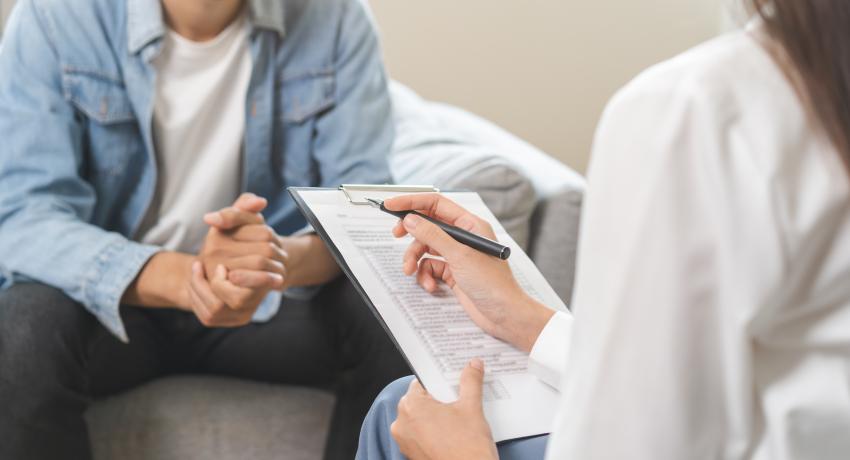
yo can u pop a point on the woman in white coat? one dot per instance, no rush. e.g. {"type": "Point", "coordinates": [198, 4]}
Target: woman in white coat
{"type": "Point", "coordinates": [712, 304]}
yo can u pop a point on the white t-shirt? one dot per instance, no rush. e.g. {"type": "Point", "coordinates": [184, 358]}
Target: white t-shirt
{"type": "Point", "coordinates": [198, 129]}
{"type": "Point", "coordinates": [713, 282]}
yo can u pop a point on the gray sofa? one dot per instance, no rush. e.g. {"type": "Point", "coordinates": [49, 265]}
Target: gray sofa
{"type": "Point", "coordinates": [200, 417]}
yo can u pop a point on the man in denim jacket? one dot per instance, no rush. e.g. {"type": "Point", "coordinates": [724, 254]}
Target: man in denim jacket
{"type": "Point", "coordinates": [127, 129]}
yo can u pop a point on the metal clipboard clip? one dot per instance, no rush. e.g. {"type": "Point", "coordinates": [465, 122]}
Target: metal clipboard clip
{"type": "Point", "coordinates": [352, 191]}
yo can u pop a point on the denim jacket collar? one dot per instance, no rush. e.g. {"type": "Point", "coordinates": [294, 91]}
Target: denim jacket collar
{"type": "Point", "coordinates": [267, 14]}
{"type": "Point", "coordinates": [145, 21]}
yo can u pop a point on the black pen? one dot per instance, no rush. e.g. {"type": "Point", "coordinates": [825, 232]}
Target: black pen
{"type": "Point", "coordinates": [460, 235]}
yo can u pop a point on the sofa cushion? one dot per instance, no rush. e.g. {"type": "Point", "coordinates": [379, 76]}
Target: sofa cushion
{"type": "Point", "coordinates": [211, 418]}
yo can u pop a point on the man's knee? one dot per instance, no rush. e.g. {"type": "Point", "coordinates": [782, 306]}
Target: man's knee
{"type": "Point", "coordinates": [365, 345]}
{"type": "Point", "coordinates": [346, 307]}
{"type": "Point", "coordinates": [41, 332]}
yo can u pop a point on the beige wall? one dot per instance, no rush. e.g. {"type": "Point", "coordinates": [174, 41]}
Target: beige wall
{"type": "Point", "coordinates": [5, 7]}
{"type": "Point", "coordinates": [541, 68]}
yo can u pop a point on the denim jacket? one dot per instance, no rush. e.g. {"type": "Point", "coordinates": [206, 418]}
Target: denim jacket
{"type": "Point", "coordinates": [77, 165]}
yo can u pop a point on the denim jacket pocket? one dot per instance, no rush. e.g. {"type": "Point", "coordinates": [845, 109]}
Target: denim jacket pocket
{"type": "Point", "coordinates": [100, 97]}
{"type": "Point", "coordinates": [305, 95]}
{"type": "Point", "coordinates": [114, 143]}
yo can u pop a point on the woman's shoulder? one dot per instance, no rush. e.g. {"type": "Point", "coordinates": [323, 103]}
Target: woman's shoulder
{"type": "Point", "coordinates": [727, 96]}
{"type": "Point", "coordinates": [724, 74]}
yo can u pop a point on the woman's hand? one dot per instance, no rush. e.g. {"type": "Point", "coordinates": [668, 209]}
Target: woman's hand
{"type": "Point", "coordinates": [485, 285]}
{"type": "Point", "coordinates": [428, 429]}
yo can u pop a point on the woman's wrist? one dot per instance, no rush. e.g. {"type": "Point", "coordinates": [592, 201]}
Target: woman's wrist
{"type": "Point", "coordinates": [525, 326]}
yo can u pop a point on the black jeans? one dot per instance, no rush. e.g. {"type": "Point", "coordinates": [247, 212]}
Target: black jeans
{"type": "Point", "coordinates": [56, 358]}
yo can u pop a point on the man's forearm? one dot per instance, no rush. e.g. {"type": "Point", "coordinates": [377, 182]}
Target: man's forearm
{"type": "Point", "coordinates": [162, 282]}
{"type": "Point", "coordinates": [310, 262]}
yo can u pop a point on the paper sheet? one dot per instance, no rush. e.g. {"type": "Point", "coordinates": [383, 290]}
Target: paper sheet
{"type": "Point", "coordinates": [433, 330]}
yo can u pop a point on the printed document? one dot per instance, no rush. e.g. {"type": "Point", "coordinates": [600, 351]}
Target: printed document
{"type": "Point", "coordinates": [433, 330]}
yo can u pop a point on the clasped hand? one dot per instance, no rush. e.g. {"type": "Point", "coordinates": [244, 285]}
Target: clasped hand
{"type": "Point", "coordinates": [241, 261]}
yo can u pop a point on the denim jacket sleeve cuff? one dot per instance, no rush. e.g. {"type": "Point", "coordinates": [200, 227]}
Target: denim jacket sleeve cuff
{"type": "Point", "coordinates": [114, 270]}
{"type": "Point", "coordinates": [302, 293]}
{"type": "Point", "coordinates": [268, 307]}
{"type": "Point", "coordinates": [307, 230]}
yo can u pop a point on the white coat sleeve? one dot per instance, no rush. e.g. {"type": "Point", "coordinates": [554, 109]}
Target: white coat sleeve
{"type": "Point", "coordinates": [669, 263]}
{"type": "Point", "coordinates": [548, 357]}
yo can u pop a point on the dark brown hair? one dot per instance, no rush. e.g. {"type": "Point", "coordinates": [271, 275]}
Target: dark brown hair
{"type": "Point", "coordinates": [815, 35]}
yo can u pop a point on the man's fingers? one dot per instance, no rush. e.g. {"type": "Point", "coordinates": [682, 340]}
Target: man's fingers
{"type": "Point", "coordinates": [209, 309]}
{"type": "Point", "coordinates": [234, 297]}
{"type": "Point", "coordinates": [250, 203]}
{"type": "Point", "coordinates": [472, 383]}
{"type": "Point", "coordinates": [201, 287]}
{"type": "Point", "coordinates": [231, 218]}
{"type": "Point", "coordinates": [252, 279]}
{"type": "Point", "coordinates": [239, 250]}
{"type": "Point", "coordinates": [255, 234]}
{"type": "Point", "coordinates": [199, 307]}
{"type": "Point", "coordinates": [270, 251]}
{"type": "Point", "coordinates": [256, 262]}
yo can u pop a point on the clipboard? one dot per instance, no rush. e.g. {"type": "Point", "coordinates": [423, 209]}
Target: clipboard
{"type": "Point", "coordinates": [349, 190]}
{"type": "Point", "coordinates": [432, 332]}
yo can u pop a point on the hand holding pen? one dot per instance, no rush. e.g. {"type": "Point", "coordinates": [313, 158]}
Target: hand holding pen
{"type": "Point", "coordinates": [486, 245]}
{"type": "Point", "coordinates": [484, 285]}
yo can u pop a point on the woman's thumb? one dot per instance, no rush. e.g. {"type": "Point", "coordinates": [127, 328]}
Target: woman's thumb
{"type": "Point", "coordinates": [472, 382]}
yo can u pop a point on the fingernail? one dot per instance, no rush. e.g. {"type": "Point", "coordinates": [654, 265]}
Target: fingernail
{"type": "Point", "coordinates": [477, 364]}
{"type": "Point", "coordinates": [213, 218]}
{"type": "Point", "coordinates": [196, 267]}
{"type": "Point", "coordinates": [220, 271]}
{"type": "Point", "coordinates": [411, 221]}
